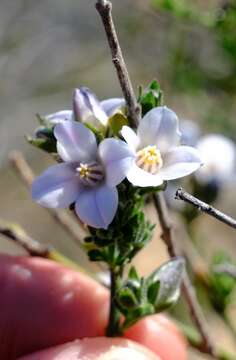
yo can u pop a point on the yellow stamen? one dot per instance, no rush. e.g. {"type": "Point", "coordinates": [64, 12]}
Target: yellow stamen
{"type": "Point", "coordinates": [149, 159]}
{"type": "Point", "coordinates": [91, 173]}
{"type": "Point", "coordinates": [84, 171]}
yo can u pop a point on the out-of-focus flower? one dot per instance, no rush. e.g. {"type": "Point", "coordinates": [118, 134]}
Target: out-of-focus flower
{"type": "Point", "coordinates": [219, 158]}
{"type": "Point", "coordinates": [158, 155]}
{"type": "Point", "coordinates": [190, 132]}
{"type": "Point", "coordinates": [88, 176]}
{"type": "Point", "coordinates": [88, 109]}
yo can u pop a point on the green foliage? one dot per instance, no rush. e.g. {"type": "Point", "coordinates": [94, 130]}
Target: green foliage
{"type": "Point", "coordinates": [43, 138]}
{"type": "Point", "coordinates": [150, 97]}
{"type": "Point", "coordinates": [138, 297]}
{"type": "Point", "coordinates": [45, 142]}
{"type": "Point", "coordinates": [126, 235]}
{"type": "Point", "coordinates": [180, 8]}
{"type": "Point", "coordinates": [116, 122]}
{"type": "Point", "coordinates": [221, 284]}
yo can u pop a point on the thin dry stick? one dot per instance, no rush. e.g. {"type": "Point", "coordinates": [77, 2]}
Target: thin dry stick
{"type": "Point", "coordinates": [16, 233]}
{"type": "Point", "coordinates": [204, 207]}
{"type": "Point", "coordinates": [188, 290]}
{"type": "Point", "coordinates": [104, 8]}
{"type": "Point", "coordinates": [23, 169]}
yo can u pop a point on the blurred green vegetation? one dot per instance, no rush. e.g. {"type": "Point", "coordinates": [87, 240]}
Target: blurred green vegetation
{"type": "Point", "coordinates": [202, 59]}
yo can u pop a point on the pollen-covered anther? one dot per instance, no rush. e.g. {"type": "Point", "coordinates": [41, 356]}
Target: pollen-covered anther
{"type": "Point", "coordinates": [149, 159]}
{"type": "Point", "coordinates": [91, 173]}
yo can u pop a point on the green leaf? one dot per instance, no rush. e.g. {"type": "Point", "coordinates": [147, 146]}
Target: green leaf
{"type": "Point", "coordinates": [222, 285]}
{"type": "Point", "coordinates": [126, 298]}
{"type": "Point", "coordinates": [152, 291]}
{"type": "Point", "coordinates": [116, 122]}
{"type": "Point", "coordinates": [47, 145]}
{"type": "Point", "coordinates": [169, 276]}
{"type": "Point", "coordinates": [133, 275]}
{"type": "Point", "coordinates": [150, 97]}
{"type": "Point", "coordinates": [140, 312]}
{"type": "Point", "coordinates": [95, 255]}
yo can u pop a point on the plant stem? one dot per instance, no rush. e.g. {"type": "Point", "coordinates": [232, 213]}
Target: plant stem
{"type": "Point", "coordinates": [204, 207]}
{"type": "Point", "coordinates": [104, 8]}
{"type": "Point", "coordinates": [188, 290]}
{"type": "Point", "coordinates": [113, 328]}
{"type": "Point", "coordinates": [15, 232]}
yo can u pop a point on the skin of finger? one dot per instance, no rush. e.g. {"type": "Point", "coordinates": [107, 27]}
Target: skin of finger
{"type": "Point", "coordinates": [44, 304]}
{"type": "Point", "coordinates": [161, 336]}
{"type": "Point", "coordinates": [96, 349]}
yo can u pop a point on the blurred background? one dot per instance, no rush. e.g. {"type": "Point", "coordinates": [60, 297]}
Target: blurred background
{"type": "Point", "coordinates": [48, 48]}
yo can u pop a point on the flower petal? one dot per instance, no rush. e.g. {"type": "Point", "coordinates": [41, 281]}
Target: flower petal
{"type": "Point", "coordinates": [179, 162]}
{"type": "Point", "coordinates": [110, 106]}
{"type": "Point", "coordinates": [142, 178]}
{"type": "Point", "coordinates": [96, 207]}
{"type": "Point", "coordinates": [159, 127]}
{"type": "Point", "coordinates": [59, 116]}
{"type": "Point", "coordinates": [130, 137]}
{"type": "Point", "coordinates": [57, 187]}
{"type": "Point", "coordinates": [117, 158]}
{"type": "Point", "coordinates": [75, 142]}
{"type": "Point", "coordinates": [87, 108]}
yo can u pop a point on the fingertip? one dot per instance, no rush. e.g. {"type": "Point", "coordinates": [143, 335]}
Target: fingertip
{"type": "Point", "coordinates": [95, 348]}
{"type": "Point", "coordinates": [161, 336]}
{"type": "Point", "coordinates": [48, 302]}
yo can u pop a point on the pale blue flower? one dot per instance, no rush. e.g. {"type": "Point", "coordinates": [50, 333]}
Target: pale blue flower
{"type": "Point", "coordinates": [157, 150]}
{"type": "Point", "coordinates": [219, 157]}
{"type": "Point", "coordinates": [88, 176]}
{"type": "Point", "coordinates": [59, 116]}
{"type": "Point", "coordinates": [87, 108]}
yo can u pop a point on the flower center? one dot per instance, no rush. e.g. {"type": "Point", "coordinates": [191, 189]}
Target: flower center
{"type": "Point", "coordinates": [149, 159]}
{"type": "Point", "coordinates": [90, 174]}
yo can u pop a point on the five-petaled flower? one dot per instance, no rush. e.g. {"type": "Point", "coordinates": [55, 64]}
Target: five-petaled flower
{"type": "Point", "coordinates": [158, 155]}
{"type": "Point", "coordinates": [88, 176]}
{"type": "Point", "coordinates": [88, 109]}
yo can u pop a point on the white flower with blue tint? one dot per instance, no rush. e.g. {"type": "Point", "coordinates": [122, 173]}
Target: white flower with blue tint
{"type": "Point", "coordinates": [219, 157]}
{"type": "Point", "coordinates": [88, 109]}
{"type": "Point", "coordinates": [59, 116]}
{"type": "Point", "coordinates": [158, 155]}
{"type": "Point", "coordinates": [88, 176]}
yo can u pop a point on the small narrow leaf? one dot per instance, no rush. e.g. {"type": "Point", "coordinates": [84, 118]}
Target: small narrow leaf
{"type": "Point", "coordinates": [126, 298]}
{"type": "Point", "coordinates": [133, 275]}
{"type": "Point", "coordinates": [47, 145]}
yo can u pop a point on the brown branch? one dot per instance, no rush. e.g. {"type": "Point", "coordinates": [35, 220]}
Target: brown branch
{"type": "Point", "coordinates": [204, 207]}
{"type": "Point", "coordinates": [23, 169]}
{"type": "Point", "coordinates": [188, 290]}
{"type": "Point", "coordinates": [16, 233]}
{"type": "Point", "coordinates": [104, 8]}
